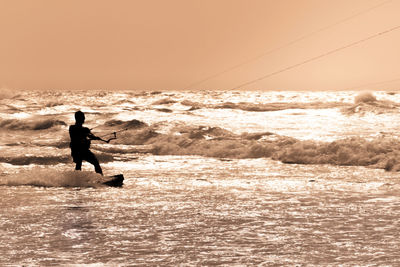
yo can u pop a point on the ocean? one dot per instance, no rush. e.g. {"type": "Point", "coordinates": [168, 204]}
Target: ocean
{"type": "Point", "coordinates": [230, 178]}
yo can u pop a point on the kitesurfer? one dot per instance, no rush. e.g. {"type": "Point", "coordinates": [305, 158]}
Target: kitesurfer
{"type": "Point", "coordinates": [80, 143]}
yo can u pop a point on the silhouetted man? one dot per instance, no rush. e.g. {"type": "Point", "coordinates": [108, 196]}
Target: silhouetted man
{"type": "Point", "coordinates": [80, 143]}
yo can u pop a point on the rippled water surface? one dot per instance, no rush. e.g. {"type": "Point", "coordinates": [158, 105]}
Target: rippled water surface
{"type": "Point", "coordinates": [211, 178]}
{"type": "Point", "coordinates": [196, 210]}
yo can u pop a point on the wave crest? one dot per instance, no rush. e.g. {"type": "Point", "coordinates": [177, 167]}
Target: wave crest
{"type": "Point", "coordinates": [14, 124]}
{"type": "Point", "coordinates": [364, 97]}
{"type": "Point", "coordinates": [132, 124]}
{"type": "Point", "coordinates": [6, 93]}
{"type": "Point", "coordinates": [220, 143]}
{"type": "Point", "coordinates": [376, 107]}
{"type": "Point", "coordinates": [164, 101]}
{"type": "Point", "coordinates": [366, 102]}
{"type": "Point", "coordinates": [267, 107]}
{"type": "Point", "coordinates": [352, 151]}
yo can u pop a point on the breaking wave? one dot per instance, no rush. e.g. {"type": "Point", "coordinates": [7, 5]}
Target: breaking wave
{"type": "Point", "coordinates": [366, 102]}
{"type": "Point", "coordinates": [164, 101]}
{"type": "Point", "coordinates": [379, 152]}
{"type": "Point", "coordinates": [376, 107]}
{"type": "Point", "coordinates": [52, 178]}
{"type": "Point", "coordinates": [260, 107]}
{"type": "Point", "coordinates": [55, 103]}
{"type": "Point", "coordinates": [177, 138]}
{"type": "Point", "coordinates": [364, 97]}
{"type": "Point", "coordinates": [138, 137]}
{"type": "Point", "coordinates": [347, 152]}
{"type": "Point", "coordinates": [41, 124]}
{"type": "Point", "coordinates": [132, 124]}
{"type": "Point", "coordinates": [6, 93]}
{"type": "Point", "coordinates": [278, 106]}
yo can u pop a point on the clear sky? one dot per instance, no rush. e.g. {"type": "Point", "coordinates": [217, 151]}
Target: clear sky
{"type": "Point", "coordinates": [173, 44]}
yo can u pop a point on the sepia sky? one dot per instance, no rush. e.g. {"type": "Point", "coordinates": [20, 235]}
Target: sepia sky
{"type": "Point", "coordinates": [199, 44]}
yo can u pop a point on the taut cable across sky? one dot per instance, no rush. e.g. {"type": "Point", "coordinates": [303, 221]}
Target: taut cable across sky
{"type": "Point", "coordinates": [192, 45]}
{"type": "Point", "coordinates": [303, 37]}
{"type": "Point", "coordinates": [317, 57]}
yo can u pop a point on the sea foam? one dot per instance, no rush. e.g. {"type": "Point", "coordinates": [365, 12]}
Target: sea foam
{"type": "Point", "coordinates": [375, 152]}
{"type": "Point", "coordinates": [52, 178]}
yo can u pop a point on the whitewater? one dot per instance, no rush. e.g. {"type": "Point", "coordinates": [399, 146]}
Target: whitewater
{"type": "Point", "coordinates": [229, 178]}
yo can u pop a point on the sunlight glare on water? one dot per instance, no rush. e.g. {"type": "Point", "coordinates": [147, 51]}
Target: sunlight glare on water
{"type": "Point", "coordinates": [243, 205]}
{"type": "Point", "coordinates": [204, 216]}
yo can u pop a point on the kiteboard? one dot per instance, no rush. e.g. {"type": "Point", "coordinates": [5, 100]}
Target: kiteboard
{"type": "Point", "coordinates": [115, 180]}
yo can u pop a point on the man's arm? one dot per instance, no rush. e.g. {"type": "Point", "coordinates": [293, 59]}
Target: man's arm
{"type": "Point", "coordinates": [93, 137]}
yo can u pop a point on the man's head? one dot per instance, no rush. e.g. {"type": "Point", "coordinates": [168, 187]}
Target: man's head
{"type": "Point", "coordinates": [79, 117]}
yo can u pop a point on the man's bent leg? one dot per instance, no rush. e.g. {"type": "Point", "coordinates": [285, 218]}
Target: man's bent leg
{"type": "Point", "coordinates": [91, 158]}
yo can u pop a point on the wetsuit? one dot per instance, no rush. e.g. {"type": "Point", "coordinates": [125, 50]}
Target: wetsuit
{"type": "Point", "coordinates": [80, 144]}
